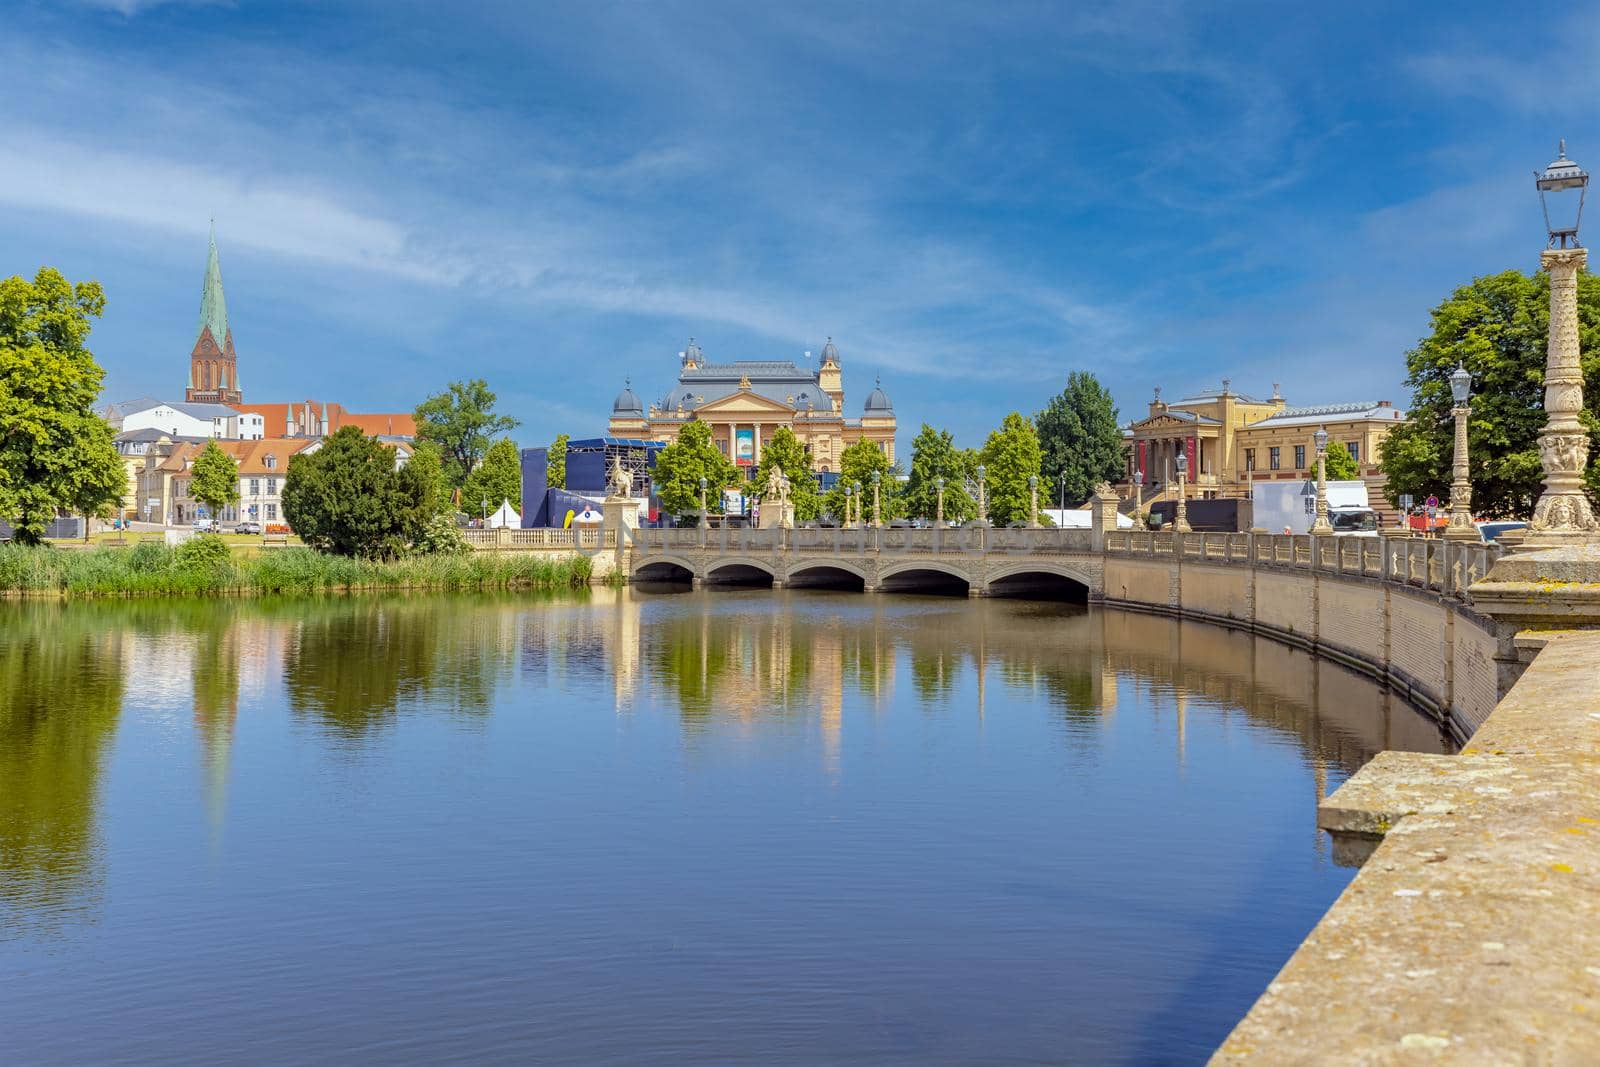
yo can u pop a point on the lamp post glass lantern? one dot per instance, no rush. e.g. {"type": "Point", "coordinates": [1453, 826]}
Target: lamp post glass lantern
{"type": "Point", "coordinates": [1180, 522]}
{"type": "Point", "coordinates": [1562, 187]}
{"type": "Point", "coordinates": [1460, 527]}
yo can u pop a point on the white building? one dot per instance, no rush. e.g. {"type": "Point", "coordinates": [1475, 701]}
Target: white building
{"type": "Point", "coordinates": [187, 420]}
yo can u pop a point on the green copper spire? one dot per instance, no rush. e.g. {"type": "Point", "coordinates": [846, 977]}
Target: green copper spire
{"type": "Point", "coordinates": [213, 308]}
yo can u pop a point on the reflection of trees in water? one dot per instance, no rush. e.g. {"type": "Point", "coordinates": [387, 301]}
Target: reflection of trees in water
{"type": "Point", "coordinates": [752, 664]}
{"type": "Point", "coordinates": [61, 684]}
{"type": "Point", "coordinates": [350, 662]}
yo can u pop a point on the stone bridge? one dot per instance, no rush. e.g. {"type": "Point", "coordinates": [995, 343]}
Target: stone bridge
{"type": "Point", "coordinates": [977, 560]}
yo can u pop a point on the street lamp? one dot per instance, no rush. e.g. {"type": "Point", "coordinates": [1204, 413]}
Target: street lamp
{"type": "Point", "coordinates": [1033, 501]}
{"type": "Point", "coordinates": [485, 513]}
{"type": "Point", "coordinates": [1322, 525]}
{"type": "Point", "coordinates": [983, 507]}
{"type": "Point", "coordinates": [877, 500]}
{"type": "Point", "coordinates": [1138, 498]}
{"type": "Point", "coordinates": [938, 485]}
{"type": "Point", "coordinates": [1563, 509]}
{"type": "Point", "coordinates": [860, 499]}
{"type": "Point", "coordinates": [849, 491]}
{"type": "Point", "coordinates": [1460, 527]}
{"type": "Point", "coordinates": [705, 514]}
{"type": "Point", "coordinates": [1180, 523]}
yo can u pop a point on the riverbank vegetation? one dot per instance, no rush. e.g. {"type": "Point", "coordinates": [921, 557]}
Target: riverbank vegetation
{"type": "Point", "coordinates": [204, 566]}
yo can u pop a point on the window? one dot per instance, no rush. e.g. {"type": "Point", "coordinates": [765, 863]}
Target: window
{"type": "Point", "coordinates": [1354, 448]}
{"type": "Point", "coordinates": [1249, 459]}
{"type": "Point", "coordinates": [1272, 458]}
{"type": "Point", "coordinates": [272, 462]}
{"type": "Point", "coordinates": [255, 486]}
{"type": "Point", "coordinates": [272, 512]}
{"type": "Point", "coordinates": [1299, 457]}
{"type": "Point", "coordinates": [272, 487]}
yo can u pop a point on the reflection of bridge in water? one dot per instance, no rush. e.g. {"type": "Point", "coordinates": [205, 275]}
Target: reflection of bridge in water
{"type": "Point", "coordinates": [977, 561]}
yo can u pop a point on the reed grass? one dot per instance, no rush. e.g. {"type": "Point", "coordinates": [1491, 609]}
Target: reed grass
{"type": "Point", "coordinates": [153, 569]}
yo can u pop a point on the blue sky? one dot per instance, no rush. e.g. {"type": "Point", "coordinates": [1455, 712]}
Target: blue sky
{"type": "Point", "coordinates": [973, 200]}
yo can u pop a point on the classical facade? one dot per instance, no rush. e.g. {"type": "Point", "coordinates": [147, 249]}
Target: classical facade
{"type": "Point", "coordinates": [1232, 440]}
{"type": "Point", "coordinates": [746, 401]}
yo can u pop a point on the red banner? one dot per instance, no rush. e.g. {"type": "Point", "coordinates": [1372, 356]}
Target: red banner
{"type": "Point", "coordinates": [1190, 445]}
{"type": "Point", "coordinates": [1141, 467]}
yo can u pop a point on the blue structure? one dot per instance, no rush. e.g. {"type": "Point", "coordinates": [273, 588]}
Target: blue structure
{"type": "Point", "coordinates": [589, 463]}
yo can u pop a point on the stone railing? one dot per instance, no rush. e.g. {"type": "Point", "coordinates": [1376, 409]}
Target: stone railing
{"type": "Point", "coordinates": [1444, 567]}
{"type": "Point", "coordinates": [506, 539]}
{"type": "Point", "coordinates": [969, 540]}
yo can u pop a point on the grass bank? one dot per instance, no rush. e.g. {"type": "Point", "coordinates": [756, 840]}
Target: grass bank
{"type": "Point", "coordinates": [157, 570]}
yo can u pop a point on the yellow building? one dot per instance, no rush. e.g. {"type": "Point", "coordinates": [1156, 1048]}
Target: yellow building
{"type": "Point", "coordinates": [746, 401]}
{"type": "Point", "coordinates": [1232, 440]}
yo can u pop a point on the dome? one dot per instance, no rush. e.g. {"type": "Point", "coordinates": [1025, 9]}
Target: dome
{"type": "Point", "coordinates": [830, 354]}
{"type": "Point", "coordinates": [692, 356]}
{"type": "Point", "coordinates": [626, 403]}
{"type": "Point", "coordinates": [878, 400]}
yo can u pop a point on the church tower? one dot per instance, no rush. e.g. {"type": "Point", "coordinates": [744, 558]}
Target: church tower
{"type": "Point", "coordinates": [213, 366]}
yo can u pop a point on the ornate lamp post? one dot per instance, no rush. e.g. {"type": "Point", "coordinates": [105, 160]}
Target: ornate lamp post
{"type": "Point", "coordinates": [485, 513]}
{"type": "Point", "coordinates": [1033, 501]}
{"type": "Point", "coordinates": [1138, 499]}
{"type": "Point", "coordinates": [1180, 523]}
{"type": "Point", "coordinates": [1460, 527]}
{"type": "Point", "coordinates": [849, 493]}
{"type": "Point", "coordinates": [938, 486]}
{"type": "Point", "coordinates": [1563, 510]}
{"type": "Point", "coordinates": [1322, 525]}
{"type": "Point", "coordinates": [705, 514]}
{"type": "Point", "coordinates": [877, 499]}
{"type": "Point", "coordinates": [861, 498]}
{"type": "Point", "coordinates": [983, 506]}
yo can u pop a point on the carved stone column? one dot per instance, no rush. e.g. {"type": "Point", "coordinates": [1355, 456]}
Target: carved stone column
{"type": "Point", "coordinates": [1563, 512]}
{"type": "Point", "coordinates": [1461, 528]}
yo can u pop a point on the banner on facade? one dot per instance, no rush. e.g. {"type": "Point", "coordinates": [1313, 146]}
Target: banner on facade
{"type": "Point", "coordinates": [1141, 468]}
{"type": "Point", "coordinates": [744, 447]}
{"type": "Point", "coordinates": [1189, 450]}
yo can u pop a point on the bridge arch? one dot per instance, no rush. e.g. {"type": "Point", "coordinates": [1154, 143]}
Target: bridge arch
{"type": "Point", "coordinates": [663, 569]}
{"type": "Point", "coordinates": [924, 576]}
{"type": "Point", "coordinates": [828, 574]}
{"type": "Point", "coordinates": [1041, 579]}
{"type": "Point", "coordinates": [740, 570]}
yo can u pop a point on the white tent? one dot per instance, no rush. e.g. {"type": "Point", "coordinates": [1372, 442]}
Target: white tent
{"type": "Point", "coordinates": [1079, 519]}
{"type": "Point", "coordinates": [587, 517]}
{"type": "Point", "coordinates": [506, 516]}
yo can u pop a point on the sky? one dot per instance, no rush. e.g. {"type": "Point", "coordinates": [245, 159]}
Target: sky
{"type": "Point", "coordinates": [972, 200]}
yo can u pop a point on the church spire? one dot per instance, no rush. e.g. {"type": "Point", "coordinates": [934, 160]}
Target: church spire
{"type": "Point", "coordinates": [213, 308]}
{"type": "Point", "coordinates": [213, 365]}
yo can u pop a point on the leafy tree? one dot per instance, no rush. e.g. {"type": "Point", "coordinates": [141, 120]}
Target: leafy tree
{"type": "Point", "coordinates": [787, 453]}
{"type": "Point", "coordinates": [54, 450]}
{"type": "Point", "coordinates": [461, 421]}
{"type": "Point", "coordinates": [1010, 455]}
{"type": "Point", "coordinates": [497, 478]}
{"type": "Point", "coordinates": [1338, 465]}
{"type": "Point", "coordinates": [1498, 326]}
{"type": "Point", "coordinates": [1079, 438]}
{"type": "Point", "coordinates": [556, 468]}
{"type": "Point", "coordinates": [856, 464]}
{"type": "Point", "coordinates": [348, 498]}
{"type": "Point", "coordinates": [214, 479]}
{"type": "Point", "coordinates": [681, 465]}
{"type": "Point", "coordinates": [934, 455]}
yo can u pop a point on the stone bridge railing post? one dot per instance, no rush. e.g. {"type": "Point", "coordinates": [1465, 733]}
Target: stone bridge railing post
{"type": "Point", "coordinates": [1102, 515]}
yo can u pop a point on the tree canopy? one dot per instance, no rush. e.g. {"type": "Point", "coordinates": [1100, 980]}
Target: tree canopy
{"type": "Point", "coordinates": [1338, 464]}
{"type": "Point", "coordinates": [681, 465]}
{"type": "Point", "coordinates": [1080, 441]}
{"type": "Point", "coordinates": [785, 452]}
{"type": "Point", "coordinates": [462, 422]}
{"type": "Point", "coordinates": [348, 498]}
{"type": "Point", "coordinates": [856, 464]}
{"type": "Point", "coordinates": [214, 479]}
{"type": "Point", "coordinates": [934, 455]}
{"type": "Point", "coordinates": [498, 478]}
{"type": "Point", "coordinates": [55, 452]}
{"type": "Point", "coordinates": [556, 468]}
{"type": "Point", "coordinates": [1497, 326]}
{"type": "Point", "coordinates": [1010, 456]}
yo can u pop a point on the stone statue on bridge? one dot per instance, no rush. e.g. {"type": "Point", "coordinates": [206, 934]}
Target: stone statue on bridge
{"type": "Point", "coordinates": [777, 490]}
{"type": "Point", "coordinates": [621, 480]}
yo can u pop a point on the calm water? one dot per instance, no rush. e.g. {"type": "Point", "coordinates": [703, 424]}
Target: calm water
{"type": "Point", "coordinates": [726, 827]}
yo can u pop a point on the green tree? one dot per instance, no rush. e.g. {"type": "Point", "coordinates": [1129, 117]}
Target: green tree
{"type": "Point", "coordinates": [934, 455]}
{"type": "Point", "coordinates": [348, 498]}
{"type": "Point", "coordinates": [1079, 439]}
{"type": "Point", "coordinates": [51, 454]}
{"type": "Point", "coordinates": [1338, 464]}
{"type": "Point", "coordinates": [462, 422]}
{"type": "Point", "coordinates": [97, 480]}
{"type": "Point", "coordinates": [1497, 326]}
{"type": "Point", "coordinates": [1011, 455]}
{"type": "Point", "coordinates": [787, 453]}
{"type": "Point", "coordinates": [856, 465]}
{"type": "Point", "coordinates": [497, 478]}
{"type": "Point", "coordinates": [556, 467]}
{"type": "Point", "coordinates": [681, 465]}
{"type": "Point", "coordinates": [214, 479]}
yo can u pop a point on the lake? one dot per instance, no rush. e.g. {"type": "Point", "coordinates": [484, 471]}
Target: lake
{"type": "Point", "coordinates": [649, 827]}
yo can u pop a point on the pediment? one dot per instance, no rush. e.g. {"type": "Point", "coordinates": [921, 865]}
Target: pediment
{"type": "Point", "coordinates": [1162, 422]}
{"type": "Point", "coordinates": [743, 403]}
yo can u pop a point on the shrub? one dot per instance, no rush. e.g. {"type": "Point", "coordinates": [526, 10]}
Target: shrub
{"type": "Point", "coordinates": [205, 552]}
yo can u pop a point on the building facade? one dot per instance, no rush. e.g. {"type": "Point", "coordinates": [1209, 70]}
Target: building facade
{"type": "Point", "coordinates": [745, 402]}
{"type": "Point", "coordinates": [1232, 440]}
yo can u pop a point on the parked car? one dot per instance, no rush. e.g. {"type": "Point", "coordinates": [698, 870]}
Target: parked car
{"type": "Point", "coordinates": [205, 526]}
{"type": "Point", "coordinates": [1491, 531]}
{"type": "Point", "coordinates": [248, 527]}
